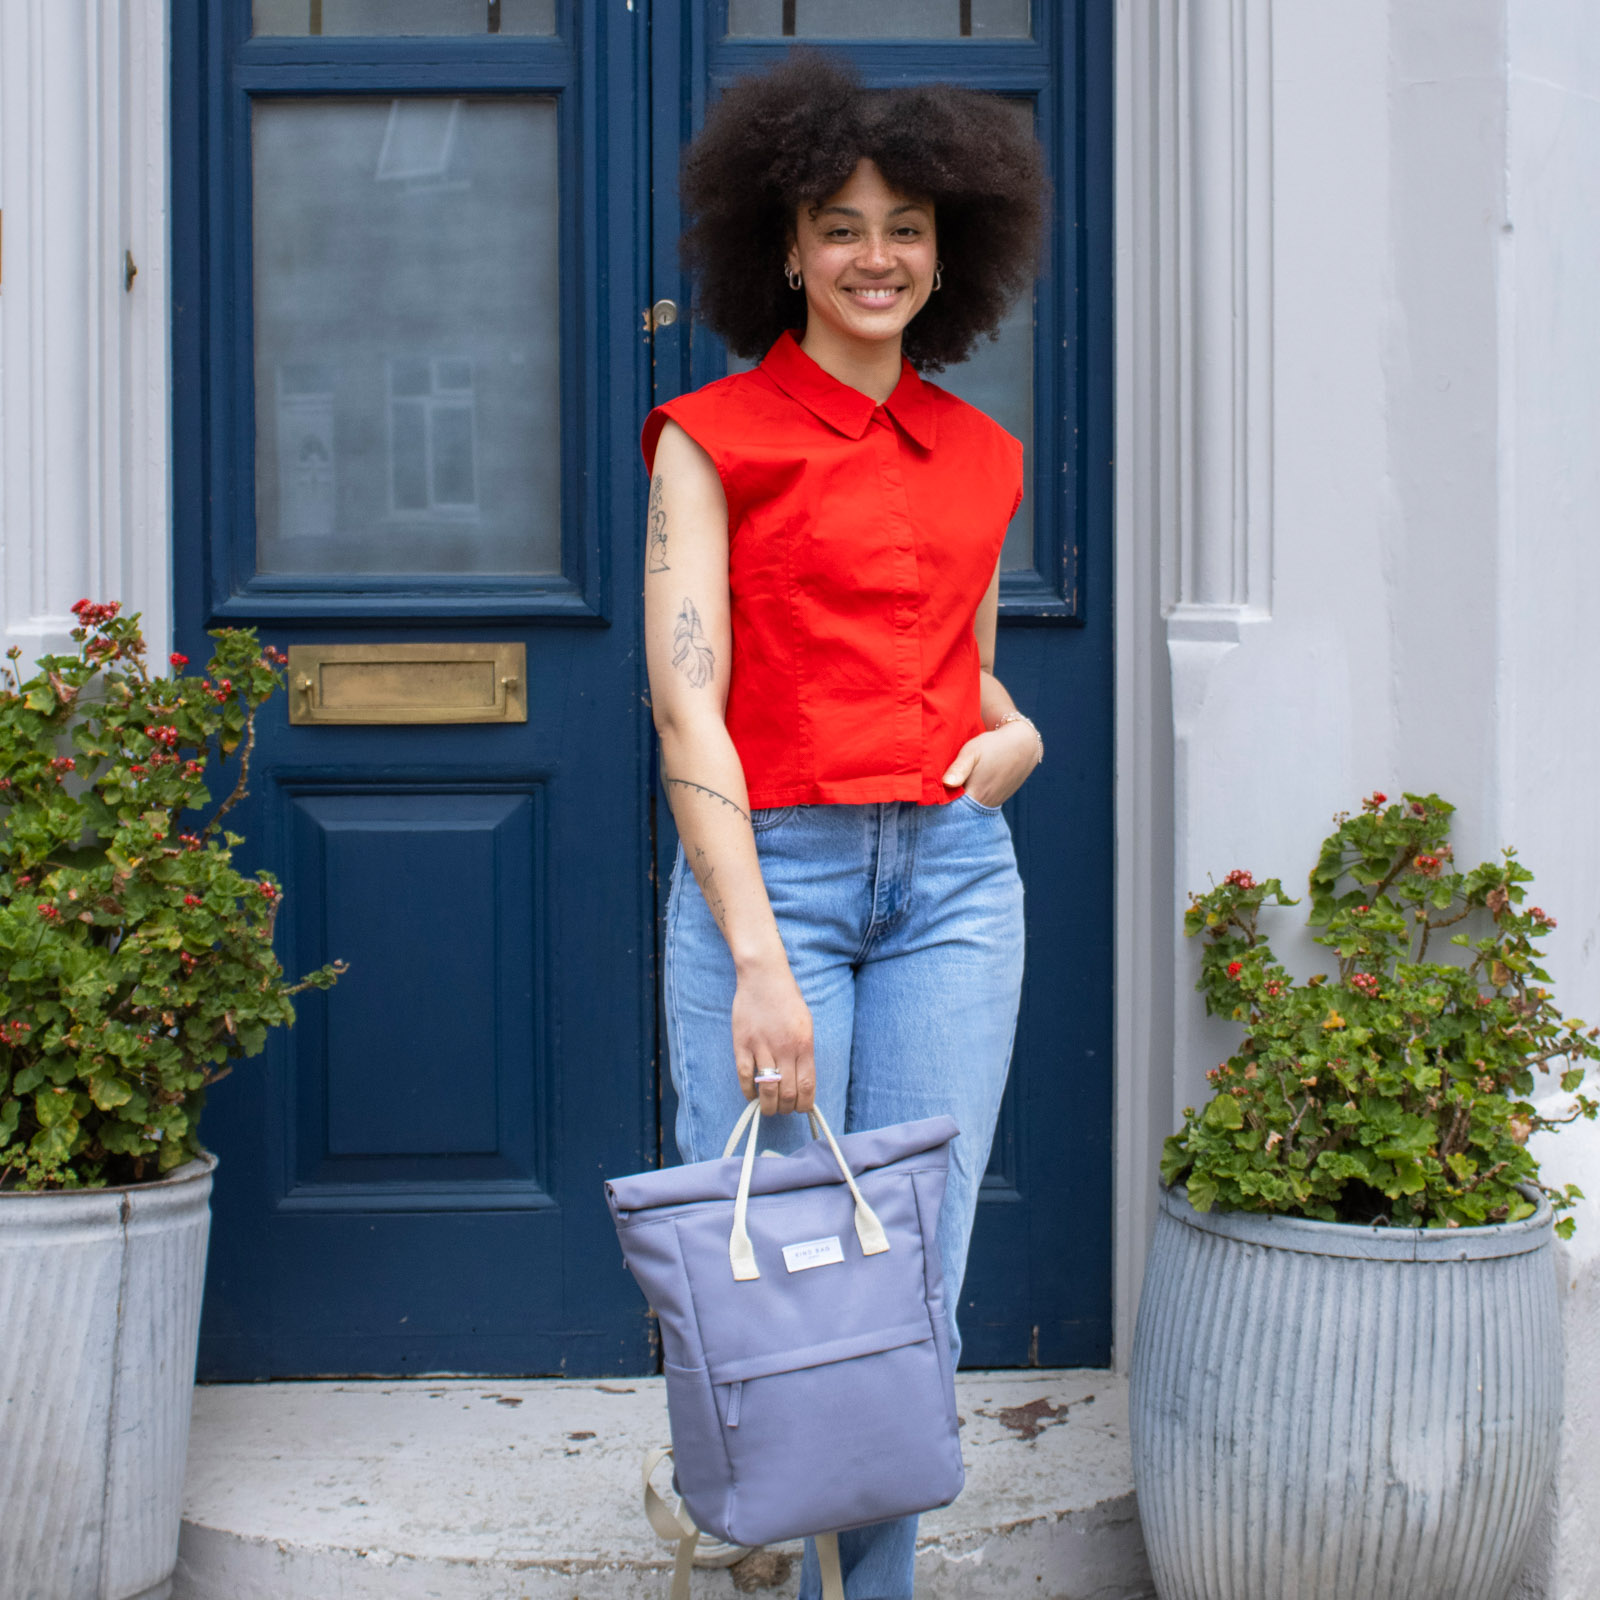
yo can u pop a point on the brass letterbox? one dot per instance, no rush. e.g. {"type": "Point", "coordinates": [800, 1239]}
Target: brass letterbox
{"type": "Point", "coordinates": [416, 683]}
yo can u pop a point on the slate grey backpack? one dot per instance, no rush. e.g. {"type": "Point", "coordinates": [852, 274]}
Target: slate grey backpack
{"type": "Point", "coordinates": [803, 1332]}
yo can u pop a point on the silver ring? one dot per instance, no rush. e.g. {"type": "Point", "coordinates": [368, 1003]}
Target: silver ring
{"type": "Point", "coordinates": [768, 1077]}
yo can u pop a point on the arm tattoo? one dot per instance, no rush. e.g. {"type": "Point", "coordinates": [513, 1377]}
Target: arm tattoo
{"type": "Point", "coordinates": [658, 528]}
{"type": "Point", "coordinates": [691, 655]}
{"type": "Point", "coordinates": [700, 788]}
{"type": "Point", "coordinates": [713, 897]}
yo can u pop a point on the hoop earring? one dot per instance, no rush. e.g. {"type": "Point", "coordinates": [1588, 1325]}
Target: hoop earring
{"type": "Point", "coordinates": [938, 274]}
{"type": "Point", "coordinates": [794, 278]}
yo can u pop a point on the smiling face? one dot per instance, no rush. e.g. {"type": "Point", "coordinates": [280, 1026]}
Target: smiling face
{"type": "Point", "coordinates": [867, 256]}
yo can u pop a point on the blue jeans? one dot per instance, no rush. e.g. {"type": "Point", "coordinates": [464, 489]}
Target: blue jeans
{"type": "Point", "coordinates": [903, 928]}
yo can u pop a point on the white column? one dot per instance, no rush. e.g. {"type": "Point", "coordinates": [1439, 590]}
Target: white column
{"type": "Point", "coordinates": [83, 352]}
{"type": "Point", "coordinates": [1194, 511]}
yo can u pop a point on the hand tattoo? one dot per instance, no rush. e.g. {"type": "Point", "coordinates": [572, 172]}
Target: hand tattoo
{"type": "Point", "coordinates": [658, 528]}
{"type": "Point", "coordinates": [691, 655]}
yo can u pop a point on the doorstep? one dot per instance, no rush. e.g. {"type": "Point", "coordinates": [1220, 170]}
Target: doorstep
{"type": "Point", "coordinates": [529, 1490]}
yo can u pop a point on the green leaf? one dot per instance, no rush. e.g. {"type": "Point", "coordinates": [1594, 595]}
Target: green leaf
{"type": "Point", "coordinates": [109, 1093]}
{"type": "Point", "coordinates": [1174, 1158]}
{"type": "Point", "coordinates": [1224, 1112]}
{"type": "Point", "coordinates": [1202, 1191]}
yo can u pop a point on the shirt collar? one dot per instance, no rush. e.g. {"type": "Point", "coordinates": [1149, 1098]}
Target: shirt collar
{"type": "Point", "coordinates": [844, 409]}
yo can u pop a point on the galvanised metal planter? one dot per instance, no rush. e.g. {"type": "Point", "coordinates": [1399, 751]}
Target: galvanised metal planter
{"type": "Point", "coordinates": [99, 1318]}
{"type": "Point", "coordinates": [1322, 1411]}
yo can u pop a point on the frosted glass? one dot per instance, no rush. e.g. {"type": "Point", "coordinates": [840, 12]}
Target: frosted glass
{"type": "Point", "coordinates": [997, 378]}
{"type": "Point", "coordinates": [407, 373]}
{"type": "Point", "coordinates": [880, 19]}
{"type": "Point", "coordinates": [406, 18]}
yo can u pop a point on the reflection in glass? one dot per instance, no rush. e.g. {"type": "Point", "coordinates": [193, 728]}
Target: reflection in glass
{"type": "Point", "coordinates": [406, 310]}
{"type": "Point", "coordinates": [411, 18]}
{"type": "Point", "coordinates": [881, 19]}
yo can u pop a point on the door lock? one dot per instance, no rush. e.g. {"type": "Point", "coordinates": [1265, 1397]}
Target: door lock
{"type": "Point", "coordinates": [661, 315]}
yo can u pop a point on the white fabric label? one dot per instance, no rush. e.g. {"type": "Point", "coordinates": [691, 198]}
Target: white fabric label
{"type": "Point", "coordinates": [813, 1253]}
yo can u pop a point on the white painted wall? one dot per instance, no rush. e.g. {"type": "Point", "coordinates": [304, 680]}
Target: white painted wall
{"type": "Point", "coordinates": [1548, 684]}
{"type": "Point", "coordinates": [1431, 528]}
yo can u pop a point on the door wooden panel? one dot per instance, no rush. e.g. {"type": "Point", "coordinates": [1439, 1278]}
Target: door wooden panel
{"type": "Point", "coordinates": [430, 1070]}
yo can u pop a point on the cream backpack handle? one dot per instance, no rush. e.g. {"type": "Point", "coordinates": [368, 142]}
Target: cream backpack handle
{"type": "Point", "coordinates": [741, 1253]}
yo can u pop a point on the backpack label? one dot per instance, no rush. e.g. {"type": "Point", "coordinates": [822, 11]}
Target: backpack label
{"type": "Point", "coordinates": [813, 1253]}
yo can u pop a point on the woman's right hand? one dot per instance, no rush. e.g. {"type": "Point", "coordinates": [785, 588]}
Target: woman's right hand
{"type": "Point", "coordinates": [772, 1033]}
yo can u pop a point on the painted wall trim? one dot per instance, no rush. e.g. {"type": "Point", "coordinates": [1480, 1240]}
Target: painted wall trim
{"type": "Point", "coordinates": [85, 440]}
{"type": "Point", "coordinates": [1194, 501]}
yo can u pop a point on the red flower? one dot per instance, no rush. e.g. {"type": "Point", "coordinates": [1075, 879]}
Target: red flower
{"type": "Point", "coordinates": [1428, 866]}
{"type": "Point", "coordinates": [179, 661]}
{"type": "Point", "coordinates": [268, 892]}
{"type": "Point", "coordinates": [1364, 983]}
{"type": "Point", "coordinates": [1541, 916]}
{"type": "Point", "coordinates": [95, 616]}
{"type": "Point", "coordinates": [1240, 879]}
{"type": "Point", "coordinates": [60, 764]}
{"type": "Point", "coordinates": [1361, 910]}
{"type": "Point", "coordinates": [1374, 801]}
{"type": "Point", "coordinates": [49, 913]}
{"type": "Point", "coordinates": [192, 900]}
{"type": "Point", "coordinates": [1235, 968]}
{"type": "Point", "coordinates": [1418, 809]}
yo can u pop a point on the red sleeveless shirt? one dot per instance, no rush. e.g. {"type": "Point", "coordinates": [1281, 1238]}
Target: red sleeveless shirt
{"type": "Point", "coordinates": [861, 539]}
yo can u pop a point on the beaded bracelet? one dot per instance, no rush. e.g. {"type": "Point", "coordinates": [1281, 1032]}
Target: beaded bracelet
{"type": "Point", "coordinates": [1017, 716]}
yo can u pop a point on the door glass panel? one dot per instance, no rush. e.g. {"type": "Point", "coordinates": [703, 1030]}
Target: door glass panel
{"type": "Point", "coordinates": [303, 18]}
{"type": "Point", "coordinates": [882, 19]}
{"type": "Point", "coordinates": [407, 377]}
{"type": "Point", "coordinates": [997, 378]}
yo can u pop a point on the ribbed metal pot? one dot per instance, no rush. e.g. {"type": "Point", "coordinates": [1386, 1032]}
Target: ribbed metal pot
{"type": "Point", "coordinates": [1329, 1412]}
{"type": "Point", "coordinates": [99, 1318]}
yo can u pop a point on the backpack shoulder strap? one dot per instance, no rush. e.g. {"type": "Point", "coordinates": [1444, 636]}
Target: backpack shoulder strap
{"type": "Point", "coordinates": [673, 1523]}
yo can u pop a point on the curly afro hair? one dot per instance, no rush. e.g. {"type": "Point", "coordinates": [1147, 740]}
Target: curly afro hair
{"type": "Point", "coordinates": [792, 136]}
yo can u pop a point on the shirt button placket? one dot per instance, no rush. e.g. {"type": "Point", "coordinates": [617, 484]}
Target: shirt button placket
{"type": "Point", "coordinates": [907, 636]}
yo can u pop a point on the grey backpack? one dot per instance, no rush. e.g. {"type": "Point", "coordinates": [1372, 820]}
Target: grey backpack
{"type": "Point", "coordinates": [803, 1332]}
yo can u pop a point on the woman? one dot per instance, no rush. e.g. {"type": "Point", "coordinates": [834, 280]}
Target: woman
{"type": "Point", "coordinates": [821, 590]}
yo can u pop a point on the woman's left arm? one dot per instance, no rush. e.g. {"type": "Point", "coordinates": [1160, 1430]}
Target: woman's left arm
{"type": "Point", "coordinates": [994, 764]}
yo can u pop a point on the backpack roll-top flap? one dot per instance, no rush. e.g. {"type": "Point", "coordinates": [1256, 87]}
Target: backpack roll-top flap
{"type": "Point", "coordinates": [767, 1365]}
{"type": "Point", "coordinates": [811, 1165]}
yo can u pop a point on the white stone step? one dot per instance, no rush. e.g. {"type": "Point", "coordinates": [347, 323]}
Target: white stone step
{"type": "Point", "coordinates": [529, 1490]}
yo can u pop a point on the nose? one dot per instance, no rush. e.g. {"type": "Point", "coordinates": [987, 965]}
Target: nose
{"type": "Point", "coordinates": [875, 254]}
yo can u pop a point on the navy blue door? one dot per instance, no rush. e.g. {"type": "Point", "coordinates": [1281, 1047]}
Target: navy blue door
{"type": "Point", "coordinates": [1038, 1288]}
{"type": "Point", "coordinates": [414, 245]}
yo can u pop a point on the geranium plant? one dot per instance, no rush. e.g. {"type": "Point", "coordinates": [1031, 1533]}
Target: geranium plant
{"type": "Point", "coordinates": [1397, 1087]}
{"type": "Point", "coordinates": [136, 961]}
